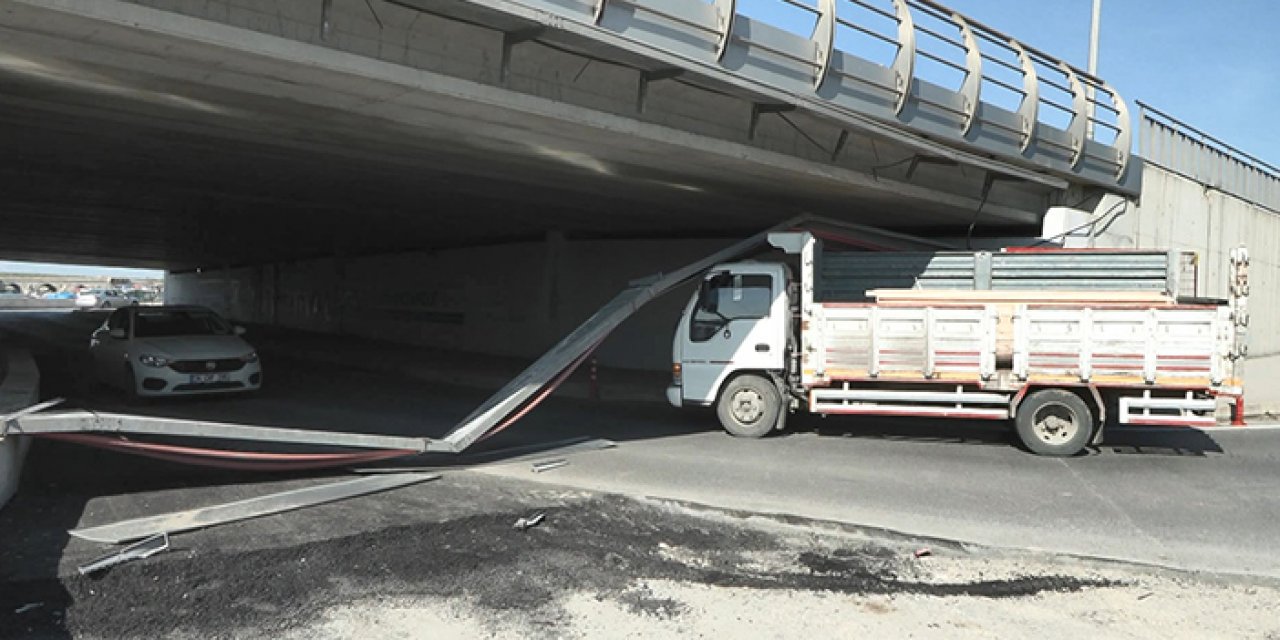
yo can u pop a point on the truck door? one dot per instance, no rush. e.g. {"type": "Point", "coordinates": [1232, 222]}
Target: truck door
{"type": "Point", "coordinates": [738, 322]}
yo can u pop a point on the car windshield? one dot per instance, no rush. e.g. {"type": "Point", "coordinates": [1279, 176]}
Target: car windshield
{"type": "Point", "coordinates": [168, 323]}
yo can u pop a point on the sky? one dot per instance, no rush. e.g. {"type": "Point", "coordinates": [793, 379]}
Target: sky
{"type": "Point", "coordinates": [1214, 64]}
{"type": "Point", "coordinates": [45, 268]}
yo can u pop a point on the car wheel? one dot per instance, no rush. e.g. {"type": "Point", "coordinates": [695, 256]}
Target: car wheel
{"type": "Point", "coordinates": [1054, 422]}
{"type": "Point", "coordinates": [749, 406]}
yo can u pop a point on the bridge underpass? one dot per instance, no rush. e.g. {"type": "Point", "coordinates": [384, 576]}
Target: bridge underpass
{"type": "Point", "coordinates": [183, 137]}
{"type": "Point", "coordinates": [466, 175]}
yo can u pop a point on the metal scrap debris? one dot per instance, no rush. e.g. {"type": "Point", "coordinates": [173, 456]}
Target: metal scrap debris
{"type": "Point", "coordinates": [923, 552]}
{"type": "Point", "coordinates": [121, 532]}
{"type": "Point", "coordinates": [28, 607]}
{"type": "Point", "coordinates": [547, 465]}
{"type": "Point", "coordinates": [136, 551]}
{"type": "Point", "coordinates": [524, 524]}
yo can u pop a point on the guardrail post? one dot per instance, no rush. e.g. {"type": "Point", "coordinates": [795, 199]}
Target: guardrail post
{"type": "Point", "coordinates": [971, 88]}
{"type": "Point", "coordinates": [726, 14]}
{"type": "Point", "coordinates": [1078, 128]}
{"type": "Point", "coordinates": [904, 64]}
{"type": "Point", "coordinates": [1124, 131]}
{"type": "Point", "coordinates": [1029, 110]}
{"type": "Point", "coordinates": [824, 35]}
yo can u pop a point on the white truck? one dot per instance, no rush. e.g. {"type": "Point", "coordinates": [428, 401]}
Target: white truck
{"type": "Point", "coordinates": [1060, 342]}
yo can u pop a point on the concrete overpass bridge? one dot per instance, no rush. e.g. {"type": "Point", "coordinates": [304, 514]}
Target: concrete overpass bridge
{"type": "Point", "coordinates": [189, 135]}
{"type": "Point", "coordinates": [514, 163]}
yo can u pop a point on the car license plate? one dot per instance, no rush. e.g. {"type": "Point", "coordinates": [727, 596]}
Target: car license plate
{"type": "Point", "coordinates": [206, 378]}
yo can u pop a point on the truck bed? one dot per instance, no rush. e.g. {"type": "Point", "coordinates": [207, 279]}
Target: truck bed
{"type": "Point", "coordinates": [1177, 346]}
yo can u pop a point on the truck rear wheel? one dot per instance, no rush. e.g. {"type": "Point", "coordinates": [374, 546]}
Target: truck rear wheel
{"type": "Point", "coordinates": [749, 406]}
{"type": "Point", "coordinates": [1053, 422]}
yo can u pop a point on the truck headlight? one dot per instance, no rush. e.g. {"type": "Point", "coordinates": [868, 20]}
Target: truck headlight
{"type": "Point", "coordinates": [252, 356]}
{"type": "Point", "coordinates": [153, 361]}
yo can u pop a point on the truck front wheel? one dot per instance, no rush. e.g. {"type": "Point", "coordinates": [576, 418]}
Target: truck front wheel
{"type": "Point", "coordinates": [1053, 422]}
{"type": "Point", "coordinates": [749, 406]}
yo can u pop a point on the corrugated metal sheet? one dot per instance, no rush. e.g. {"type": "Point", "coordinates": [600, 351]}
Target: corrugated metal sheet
{"type": "Point", "coordinates": [847, 276]}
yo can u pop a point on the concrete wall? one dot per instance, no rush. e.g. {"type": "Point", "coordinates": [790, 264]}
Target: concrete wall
{"type": "Point", "coordinates": [510, 300]}
{"type": "Point", "coordinates": [1177, 212]}
{"type": "Point", "coordinates": [19, 388]}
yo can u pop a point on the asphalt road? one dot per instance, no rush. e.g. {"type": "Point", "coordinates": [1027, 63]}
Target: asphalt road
{"type": "Point", "coordinates": [1181, 498]}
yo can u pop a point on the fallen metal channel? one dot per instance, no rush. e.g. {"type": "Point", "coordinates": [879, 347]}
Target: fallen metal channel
{"type": "Point", "coordinates": [79, 421]}
{"type": "Point", "coordinates": [179, 521]}
{"type": "Point", "coordinates": [501, 410]}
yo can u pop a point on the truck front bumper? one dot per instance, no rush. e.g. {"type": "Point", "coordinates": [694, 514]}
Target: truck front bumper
{"type": "Point", "coordinates": [675, 396]}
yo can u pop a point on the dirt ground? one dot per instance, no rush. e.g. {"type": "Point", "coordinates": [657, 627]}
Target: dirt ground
{"type": "Point", "coordinates": [611, 566]}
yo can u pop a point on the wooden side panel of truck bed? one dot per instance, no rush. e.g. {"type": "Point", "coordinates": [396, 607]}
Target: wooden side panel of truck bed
{"type": "Point", "coordinates": [1188, 347]}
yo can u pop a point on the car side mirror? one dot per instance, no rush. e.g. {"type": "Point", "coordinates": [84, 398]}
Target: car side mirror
{"type": "Point", "coordinates": [118, 334]}
{"type": "Point", "coordinates": [238, 330]}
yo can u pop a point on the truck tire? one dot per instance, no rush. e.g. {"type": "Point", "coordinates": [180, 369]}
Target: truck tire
{"type": "Point", "coordinates": [749, 406]}
{"type": "Point", "coordinates": [1054, 422]}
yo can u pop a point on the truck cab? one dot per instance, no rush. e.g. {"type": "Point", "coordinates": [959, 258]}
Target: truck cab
{"type": "Point", "coordinates": [736, 325]}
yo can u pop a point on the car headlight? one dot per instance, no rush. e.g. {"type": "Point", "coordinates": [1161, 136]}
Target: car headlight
{"type": "Point", "coordinates": [252, 356]}
{"type": "Point", "coordinates": [153, 361]}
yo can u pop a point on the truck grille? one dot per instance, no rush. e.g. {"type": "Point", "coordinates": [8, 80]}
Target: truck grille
{"type": "Point", "coordinates": [202, 366]}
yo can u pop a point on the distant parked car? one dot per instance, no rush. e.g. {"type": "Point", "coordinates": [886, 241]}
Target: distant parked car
{"type": "Point", "coordinates": [143, 296]}
{"type": "Point", "coordinates": [102, 299]}
{"type": "Point", "coordinates": [174, 350]}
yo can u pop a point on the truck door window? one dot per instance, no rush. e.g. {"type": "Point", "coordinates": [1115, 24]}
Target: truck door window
{"type": "Point", "coordinates": [726, 297]}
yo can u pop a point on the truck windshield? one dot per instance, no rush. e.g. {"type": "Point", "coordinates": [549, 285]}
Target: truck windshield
{"type": "Point", "coordinates": [725, 297]}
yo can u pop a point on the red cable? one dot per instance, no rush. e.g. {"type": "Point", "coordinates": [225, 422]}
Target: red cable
{"type": "Point", "coordinates": [546, 391]}
{"type": "Point", "coordinates": [226, 459]}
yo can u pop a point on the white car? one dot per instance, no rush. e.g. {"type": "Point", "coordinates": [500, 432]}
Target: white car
{"type": "Point", "coordinates": [102, 299]}
{"type": "Point", "coordinates": [173, 350]}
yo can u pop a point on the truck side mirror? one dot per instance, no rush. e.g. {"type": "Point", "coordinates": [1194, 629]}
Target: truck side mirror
{"type": "Point", "coordinates": [238, 330]}
{"type": "Point", "coordinates": [118, 334]}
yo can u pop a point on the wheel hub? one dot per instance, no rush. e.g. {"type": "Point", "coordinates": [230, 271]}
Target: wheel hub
{"type": "Point", "coordinates": [747, 406]}
{"type": "Point", "coordinates": [1055, 423]}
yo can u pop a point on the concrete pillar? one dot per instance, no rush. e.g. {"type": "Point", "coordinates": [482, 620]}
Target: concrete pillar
{"type": "Point", "coordinates": [342, 292]}
{"type": "Point", "coordinates": [1078, 227]}
{"type": "Point", "coordinates": [228, 296]}
{"type": "Point", "coordinates": [19, 388]}
{"type": "Point", "coordinates": [553, 266]}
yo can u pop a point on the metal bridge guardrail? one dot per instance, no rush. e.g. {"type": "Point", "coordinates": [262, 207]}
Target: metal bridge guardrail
{"type": "Point", "coordinates": [1183, 149]}
{"type": "Point", "coordinates": [1053, 117]}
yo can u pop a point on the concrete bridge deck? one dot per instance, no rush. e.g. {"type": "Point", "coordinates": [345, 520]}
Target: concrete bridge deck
{"type": "Point", "coordinates": [205, 134]}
